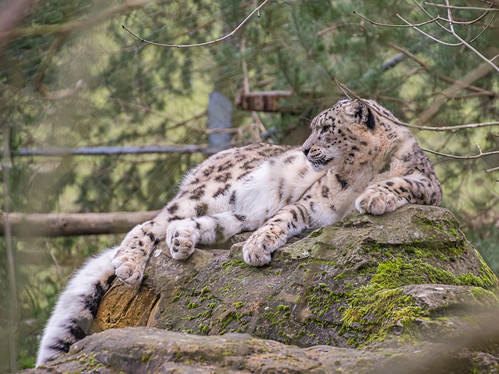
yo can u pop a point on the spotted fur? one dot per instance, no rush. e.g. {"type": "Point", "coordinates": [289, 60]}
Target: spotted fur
{"type": "Point", "coordinates": [357, 156]}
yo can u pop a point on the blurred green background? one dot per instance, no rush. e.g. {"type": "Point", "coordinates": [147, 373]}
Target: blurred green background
{"type": "Point", "coordinates": [71, 76]}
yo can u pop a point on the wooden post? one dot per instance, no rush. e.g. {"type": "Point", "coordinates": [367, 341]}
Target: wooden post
{"type": "Point", "coordinates": [219, 119]}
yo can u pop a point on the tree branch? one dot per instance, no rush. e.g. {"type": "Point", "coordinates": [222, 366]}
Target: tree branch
{"type": "Point", "coordinates": [346, 89]}
{"type": "Point", "coordinates": [480, 72]}
{"type": "Point", "coordinates": [470, 157]}
{"type": "Point", "coordinates": [70, 224]}
{"type": "Point", "coordinates": [447, 6]}
{"type": "Point", "coordinates": [470, 87]}
{"type": "Point", "coordinates": [464, 42]}
{"type": "Point", "coordinates": [256, 10]}
{"type": "Point", "coordinates": [450, 30]}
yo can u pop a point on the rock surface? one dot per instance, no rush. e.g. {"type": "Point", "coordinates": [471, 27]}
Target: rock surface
{"type": "Point", "coordinates": [347, 297]}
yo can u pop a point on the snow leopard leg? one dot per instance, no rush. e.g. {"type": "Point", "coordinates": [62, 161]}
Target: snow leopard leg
{"type": "Point", "coordinates": [287, 222]}
{"type": "Point", "coordinates": [134, 251]}
{"type": "Point", "coordinates": [77, 306]}
{"type": "Point", "coordinates": [183, 235]}
{"type": "Point", "coordinates": [388, 195]}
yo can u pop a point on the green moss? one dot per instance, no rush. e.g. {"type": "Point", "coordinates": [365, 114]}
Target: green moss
{"type": "Point", "coordinates": [396, 273]}
{"type": "Point", "coordinates": [146, 357]}
{"type": "Point", "coordinates": [375, 311]}
{"type": "Point", "coordinates": [321, 261]}
{"type": "Point", "coordinates": [205, 290]}
{"type": "Point", "coordinates": [486, 273]}
{"type": "Point", "coordinates": [204, 328]}
{"type": "Point", "coordinates": [235, 263]}
{"type": "Point", "coordinates": [340, 276]}
{"type": "Point", "coordinates": [283, 307]}
{"type": "Point", "coordinates": [320, 299]}
{"type": "Point", "coordinates": [316, 233]}
{"type": "Point", "coordinates": [238, 304]}
{"type": "Point", "coordinates": [485, 297]}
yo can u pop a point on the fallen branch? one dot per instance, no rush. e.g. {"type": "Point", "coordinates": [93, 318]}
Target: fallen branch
{"type": "Point", "coordinates": [69, 224]}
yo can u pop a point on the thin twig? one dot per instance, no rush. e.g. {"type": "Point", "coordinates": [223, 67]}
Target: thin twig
{"type": "Point", "coordinates": [459, 7]}
{"type": "Point", "coordinates": [393, 25]}
{"type": "Point", "coordinates": [465, 43]}
{"type": "Point", "coordinates": [470, 87]}
{"type": "Point", "coordinates": [466, 23]}
{"type": "Point", "coordinates": [450, 30]}
{"type": "Point", "coordinates": [428, 35]}
{"type": "Point", "coordinates": [479, 155]}
{"type": "Point", "coordinates": [483, 30]}
{"type": "Point", "coordinates": [345, 88]}
{"type": "Point", "coordinates": [492, 169]}
{"type": "Point", "coordinates": [199, 44]}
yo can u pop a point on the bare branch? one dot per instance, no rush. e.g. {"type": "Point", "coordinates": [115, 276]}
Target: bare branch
{"type": "Point", "coordinates": [346, 89]}
{"type": "Point", "coordinates": [401, 26]}
{"type": "Point", "coordinates": [451, 128]}
{"type": "Point", "coordinates": [461, 84]}
{"type": "Point", "coordinates": [483, 30]}
{"type": "Point", "coordinates": [257, 10]}
{"type": "Point", "coordinates": [455, 22]}
{"type": "Point", "coordinates": [460, 7]}
{"type": "Point", "coordinates": [428, 35]}
{"type": "Point", "coordinates": [481, 71]}
{"type": "Point", "coordinates": [450, 20]}
{"type": "Point", "coordinates": [492, 169]}
{"type": "Point", "coordinates": [471, 157]}
{"type": "Point", "coordinates": [465, 43]}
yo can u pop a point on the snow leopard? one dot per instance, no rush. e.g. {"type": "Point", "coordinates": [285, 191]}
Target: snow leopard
{"type": "Point", "coordinates": [358, 156]}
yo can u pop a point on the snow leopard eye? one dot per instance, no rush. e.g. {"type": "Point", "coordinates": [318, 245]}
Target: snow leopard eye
{"type": "Point", "coordinates": [325, 129]}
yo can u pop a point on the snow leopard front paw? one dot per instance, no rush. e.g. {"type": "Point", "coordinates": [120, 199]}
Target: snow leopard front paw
{"type": "Point", "coordinates": [131, 257]}
{"type": "Point", "coordinates": [181, 238]}
{"type": "Point", "coordinates": [376, 202]}
{"type": "Point", "coordinates": [258, 248]}
{"type": "Point", "coordinates": [129, 269]}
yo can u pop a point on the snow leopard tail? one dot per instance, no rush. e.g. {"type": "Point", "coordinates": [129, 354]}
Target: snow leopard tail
{"type": "Point", "coordinates": [77, 306]}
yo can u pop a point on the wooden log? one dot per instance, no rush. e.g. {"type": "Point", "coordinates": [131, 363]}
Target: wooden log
{"type": "Point", "coordinates": [70, 224]}
{"type": "Point", "coordinates": [105, 151]}
{"type": "Point", "coordinates": [265, 101]}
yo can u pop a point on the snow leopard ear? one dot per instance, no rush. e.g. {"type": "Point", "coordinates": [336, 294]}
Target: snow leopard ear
{"type": "Point", "coordinates": [370, 123]}
{"type": "Point", "coordinates": [364, 114]}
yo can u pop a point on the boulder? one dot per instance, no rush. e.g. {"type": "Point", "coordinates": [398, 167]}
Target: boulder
{"type": "Point", "coordinates": [347, 297]}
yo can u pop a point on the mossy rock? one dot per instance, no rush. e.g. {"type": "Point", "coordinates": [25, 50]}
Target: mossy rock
{"type": "Point", "coordinates": [151, 350]}
{"type": "Point", "coordinates": [345, 285]}
{"type": "Point", "coordinates": [402, 292]}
